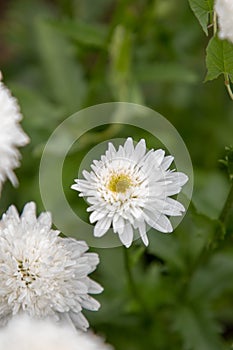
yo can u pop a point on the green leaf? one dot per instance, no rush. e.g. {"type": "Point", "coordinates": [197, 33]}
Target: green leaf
{"type": "Point", "coordinates": [124, 86]}
{"type": "Point", "coordinates": [215, 278]}
{"type": "Point", "coordinates": [202, 10]}
{"type": "Point", "coordinates": [84, 33]}
{"type": "Point", "coordinates": [120, 53]}
{"type": "Point", "coordinates": [197, 328]}
{"type": "Point", "coordinates": [167, 248]}
{"type": "Point", "coordinates": [219, 58]}
{"type": "Point", "coordinates": [136, 254]}
{"type": "Point", "coordinates": [62, 72]}
{"type": "Point", "coordinates": [163, 72]}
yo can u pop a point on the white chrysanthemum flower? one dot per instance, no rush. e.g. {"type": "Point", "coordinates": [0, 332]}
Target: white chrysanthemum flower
{"type": "Point", "coordinates": [41, 273]}
{"type": "Point", "coordinates": [129, 188]}
{"type": "Point", "coordinates": [11, 135]}
{"type": "Point", "coordinates": [224, 10]}
{"type": "Point", "coordinates": [24, 333]}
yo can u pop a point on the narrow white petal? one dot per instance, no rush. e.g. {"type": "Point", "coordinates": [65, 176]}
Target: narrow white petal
{"type": "Point", "coordinates": [142, 230]}
{"type": "Point", "coordinates": [118, 224]}
{"type": "Point", "coordinates": [79, 320]}
{"type": "Point", "coordinates": [173, 207]}
{"type": "Point", "coordinates": [127, 236]}
{"type": "Point", "coordinates": [128, 146]}
{"type": "Point", "coordinates": [45, 219]}
{"type": "Point", "coordinates": [111, 150]}
{"type": "Point", "coordinates": [140, 150]}
{"type": "Point", "coordinates": [158, 156]}
{"type": "Point", "coordinates": [94, 287]}
{"type": "Point", "coordinates": [159, 222]}
{"type": "Point", "coordinates": [29, 213]}
{"type": "Point", "coordinates": [12, 212]}
{"type": "Point", "coordinates": [95, 216]}
{"type": "Point", "coordinates": [102, 227]}
{"type": "Point", "coordinates": [121, 152]}
{"type": "Point", "coordinates": [178, 178]}
{"type": "Point", "coordinates": [90, 303]}
{"type": "Point", "coordinates": [167, 161]}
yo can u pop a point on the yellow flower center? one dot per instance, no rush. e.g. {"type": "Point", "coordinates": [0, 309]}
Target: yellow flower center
{"type": "Point", "coordinates": [119, 183]}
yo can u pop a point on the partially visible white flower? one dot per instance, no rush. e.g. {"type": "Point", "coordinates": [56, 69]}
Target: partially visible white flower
{"type": "Point", "coordinates": [41, 273]}
{"type": "Point", "coordinates": [11, 135]}
{"type": "Point", "coordinates": [129, 188]}
{"type": "Point", "coordinates": [224, 10]}
{"type": "Point", "coordinates": [24, 333]}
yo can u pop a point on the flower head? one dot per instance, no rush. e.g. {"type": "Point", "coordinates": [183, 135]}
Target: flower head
{"type": "Point", "coordinates": [11, 135]}
{"type": "Point", "coordinates": [24, 333]}
{"type": "Point", "coordinates": [41, 273]}
{"type": "Point", "coordinates": [129, 188]}
{"type": "Point", "coordinates": [224, 10]}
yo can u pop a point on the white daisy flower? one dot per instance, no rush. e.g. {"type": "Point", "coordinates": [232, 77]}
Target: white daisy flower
{"type": "Point", "coordinates": [41, 273]}
{"type": "Point", "coordinates": [24, 333]}
{"type": "Point", "coordinates": [224, 10]}
{"type": "Point", "coordinates": [11, 135]}
{"type": "Point", "coordinates": [129, 188]}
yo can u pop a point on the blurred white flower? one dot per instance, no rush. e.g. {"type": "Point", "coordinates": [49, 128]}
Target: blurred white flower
{"type": "Point", "coordinates": [224, 10]}
{"type": "Point", "coordinates": [129, 188]}
{"type": "Point", "coordinates": [11, 135]}
{"type": "Point", "coordinates": [23, 333]}
{"type": "Point", "coordinates": [41, 273]}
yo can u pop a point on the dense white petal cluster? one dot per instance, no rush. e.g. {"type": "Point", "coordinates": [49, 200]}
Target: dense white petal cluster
{"type": "Point", "coordinates": [11, 135]}
{"type": "Point", "coordinates": [129, 188]}
{"type": "Point", "coordinates": [23, 333]}
{"type": "Point", "coordinates": [41, 273]}
{"type": "Point", "coordinates": [224, 10]}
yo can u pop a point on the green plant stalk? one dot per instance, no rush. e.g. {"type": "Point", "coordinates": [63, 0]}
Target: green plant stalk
{"type": "Point", "coordinates": [226, 77]}
{"type": "Point", "coordinates": [228, 85]}
{"type": "Point", "coordinates": [132, 285]}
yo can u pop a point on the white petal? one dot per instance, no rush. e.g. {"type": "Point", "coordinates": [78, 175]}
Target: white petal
{"type": "Point", "coordinates": [45, 219]}
{"type": "Point", "coordinates": [177, 177]}
{"type": "Point", "coordinates": [128, 146]}
{"type": "Point", "coordinates": [173, 207]}
{"type": "Point", "coordinates": [140, 150]}
{"type": "Point", "coordinates": [159, 222]}
{"type": "Point", "coordinates": [158, 156]}
{"type": "Point", "coordinates": [118, 225]}
{"type": "Point", "coordinates": [79, 320]}
{"type": "Point", "coordinates": [111, 151]}
{"type": "Point", "coordinates": [94, 287]}
{"type": "Point", "coordinates": [29, 213]}
{"type": "Point", "coordinates": [90, 303]}
{"type": "Point", "coordinates": [127, 236]}
{"type": "Point", "coordinates": [95, 216]}
{"type": "Point", "coordinates": [121, 152]}
{"type": "Point", "coordinates": [167, 161]}
{"type": "Point", "coordinates": [102, 226]}
{"type": "Point", "coordinates": [142, 231]}
{"type": "Point", "coordinates": [12, 212]}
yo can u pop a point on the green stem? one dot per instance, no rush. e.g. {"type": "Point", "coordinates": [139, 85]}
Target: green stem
{"type": "Point", "coordinates": [226, 77]}
{"type": "Point", "coordinates": [131, 281]}
{"type": "Point", "coordinates": [228, 85]}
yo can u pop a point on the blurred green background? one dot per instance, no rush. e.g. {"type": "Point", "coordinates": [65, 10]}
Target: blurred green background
{"type": "Point", "coordinates": [60, 56]}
